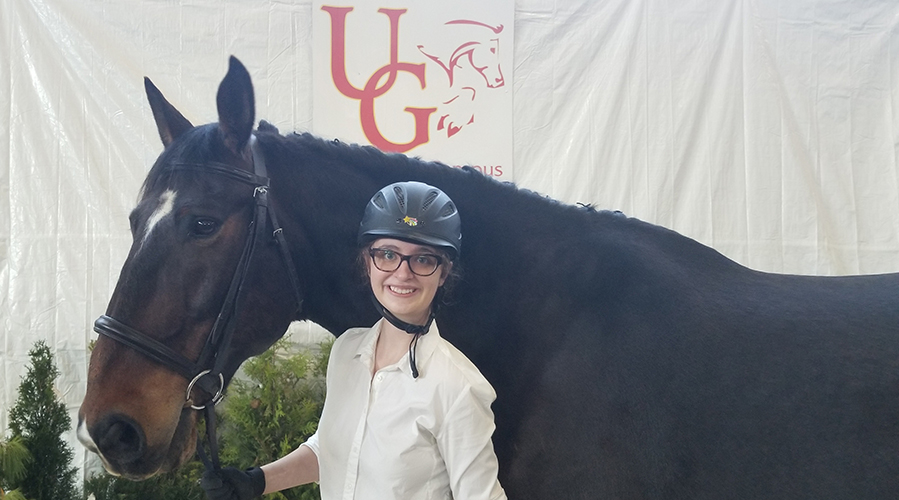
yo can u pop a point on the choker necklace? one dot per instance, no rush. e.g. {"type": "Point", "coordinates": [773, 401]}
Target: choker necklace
{"type": "Point", "coordinates": [415, 330]}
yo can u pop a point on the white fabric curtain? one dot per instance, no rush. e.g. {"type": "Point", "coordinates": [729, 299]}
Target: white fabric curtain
{"type": "Point", "coordinates": [766, 129]}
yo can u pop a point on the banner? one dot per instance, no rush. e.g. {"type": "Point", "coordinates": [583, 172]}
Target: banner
{"type": "Point", "coordinates": [428, 79]}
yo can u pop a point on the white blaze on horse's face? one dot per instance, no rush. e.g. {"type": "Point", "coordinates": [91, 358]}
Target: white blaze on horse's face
{"type": "Point", "coordinates": [88, 443]}
{"type": "Point", "coordinates": [166, 203]}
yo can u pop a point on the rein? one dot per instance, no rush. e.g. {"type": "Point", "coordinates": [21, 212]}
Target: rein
{"type": "Point", "coordinates": [207, 372]}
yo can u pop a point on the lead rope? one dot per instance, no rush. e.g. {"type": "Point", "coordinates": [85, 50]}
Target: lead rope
{"type": "Point", "coordinates": [214, 464]}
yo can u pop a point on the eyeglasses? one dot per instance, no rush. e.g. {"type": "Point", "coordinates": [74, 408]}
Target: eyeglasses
{"type": "Point", "coordinates": [422, 264]}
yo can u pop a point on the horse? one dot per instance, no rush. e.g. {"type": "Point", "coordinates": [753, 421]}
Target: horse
{"type": "Point", "coordinates": [629, 361]}
{"type": "Point", "coordinates": [472, 65]}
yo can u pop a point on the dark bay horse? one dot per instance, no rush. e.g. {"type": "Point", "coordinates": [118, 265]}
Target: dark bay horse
{"type": "Point", "coordinates": [629, 361]}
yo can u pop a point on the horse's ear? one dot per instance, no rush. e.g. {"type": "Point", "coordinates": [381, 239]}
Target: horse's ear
{"type": "Point", "coordinates": [169, 121]}
{"type": "Point", "coordinates": [236, 106]}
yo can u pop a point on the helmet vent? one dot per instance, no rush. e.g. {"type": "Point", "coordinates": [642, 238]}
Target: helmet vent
{"type": "Point", "coordinates": [400, 197]}
{"type": "Point", "coordinates": [379, 201]}
{"type": "Point", "coordinates": [432, 195]}
{"type": "Point", "coordinates": [448, 210]}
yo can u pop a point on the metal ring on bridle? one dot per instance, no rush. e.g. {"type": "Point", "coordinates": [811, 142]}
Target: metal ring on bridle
{"type": "Point", "coordinates": [216, 399]}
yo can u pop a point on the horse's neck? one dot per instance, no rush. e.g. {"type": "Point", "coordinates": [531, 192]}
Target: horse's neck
{"type": "Point", "coordinates": [334, 183]}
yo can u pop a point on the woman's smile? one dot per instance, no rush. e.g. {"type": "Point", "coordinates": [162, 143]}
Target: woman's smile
{"type": "Point", "coordinates": [405, 294]}
{"type": "Point", "coordinates": [401, 291]}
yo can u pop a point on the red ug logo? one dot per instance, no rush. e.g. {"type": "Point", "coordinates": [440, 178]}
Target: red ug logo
{"type": "Point", "coordinates": [372, 91]}
{"type": "Point", "coordinates": [472, 65]}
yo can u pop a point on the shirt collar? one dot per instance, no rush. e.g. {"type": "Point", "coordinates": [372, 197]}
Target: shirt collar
{"type": "Point", "coordinates": [427, 344]}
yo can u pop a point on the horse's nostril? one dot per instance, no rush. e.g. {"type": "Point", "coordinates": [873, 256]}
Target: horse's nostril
{"type": "Point", "coordinates": [119, 439]}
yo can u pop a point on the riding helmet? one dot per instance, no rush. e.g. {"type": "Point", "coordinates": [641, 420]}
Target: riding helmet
{"type": "Point", "coordinates": [413, 211]}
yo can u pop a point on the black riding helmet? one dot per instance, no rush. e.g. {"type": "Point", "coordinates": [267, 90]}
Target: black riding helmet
{"type": "Point", "coordinates": [415, 212]}
{"type": "Point", "coordinates": [418, 213]}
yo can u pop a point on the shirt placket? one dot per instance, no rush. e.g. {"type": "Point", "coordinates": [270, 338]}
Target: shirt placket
{"type": "Point", "coordinates": [352, 475]}
{"type": "Point", "coordinates": [352, 472]}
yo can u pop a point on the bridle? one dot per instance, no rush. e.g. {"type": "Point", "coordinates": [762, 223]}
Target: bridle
{"type": "Point", "coordinates": [206, 373]}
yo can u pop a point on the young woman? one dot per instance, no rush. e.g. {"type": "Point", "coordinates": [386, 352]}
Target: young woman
{"type": "Point", "coordinates": [406, 416]}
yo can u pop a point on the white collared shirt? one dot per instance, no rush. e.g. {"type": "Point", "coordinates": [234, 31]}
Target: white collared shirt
{"type": "Point", "coordinates": [393, 436]}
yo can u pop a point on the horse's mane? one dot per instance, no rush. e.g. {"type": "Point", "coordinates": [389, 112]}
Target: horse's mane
{"type": "Point", "coordinates": [526, 218]}
{"type": "Point", "coordinates": [374, 163]}
{"type": "Point", "coordinates": [327, 157]}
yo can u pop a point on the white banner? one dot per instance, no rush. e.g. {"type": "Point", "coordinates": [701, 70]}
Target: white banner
{"type": "Point", "coordinates": [766, 129]}
{"type": "Point", "coordinates": [431, 80]}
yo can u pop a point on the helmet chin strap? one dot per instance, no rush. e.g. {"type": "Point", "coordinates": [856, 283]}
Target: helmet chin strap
{"type": "Point", "coordinates": [415, 330]}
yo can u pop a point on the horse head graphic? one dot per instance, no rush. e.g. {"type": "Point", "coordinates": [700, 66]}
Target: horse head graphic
{"type": "Point", "coordinates": [473, 65]}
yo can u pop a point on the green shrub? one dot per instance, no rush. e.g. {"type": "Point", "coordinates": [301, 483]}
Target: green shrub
{"type": "Point", "coordinates": [14, 456]}
{"type": "Point", "coordinates": [178, 485]}
{"type": "Point", "coordinates": [39, 420]}
{"type": "Point", "coordinates": [13, 495]}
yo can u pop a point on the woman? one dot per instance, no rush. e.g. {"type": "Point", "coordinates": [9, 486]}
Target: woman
{"type": "Point", "coordinates": [406, 416]}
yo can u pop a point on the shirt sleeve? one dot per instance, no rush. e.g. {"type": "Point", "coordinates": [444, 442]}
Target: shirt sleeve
{"type": "Point", "coordinates": [465, 442]}
{"type": "Point", "coordinates": [312, 443]}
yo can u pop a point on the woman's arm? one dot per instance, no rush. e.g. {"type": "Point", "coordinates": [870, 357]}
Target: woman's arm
{"type": "Point", "coordinates": [465, 442]}
{"type": "Point", "coordinates": [297, 467]}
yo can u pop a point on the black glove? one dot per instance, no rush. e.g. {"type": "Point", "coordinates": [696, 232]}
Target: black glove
{"type": "Point", "coordinates": [233, 484]}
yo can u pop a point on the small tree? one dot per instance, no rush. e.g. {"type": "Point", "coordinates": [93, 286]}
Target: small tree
{"type": "Point", "coordinates": [39, 420]}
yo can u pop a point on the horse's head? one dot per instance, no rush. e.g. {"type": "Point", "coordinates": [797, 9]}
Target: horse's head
{"type": "Point", "coordinates": [481, 51]}
{"type": "Point", "coordinates": [195, 217]}
{"type": "Point", "coordinates": [485, 59]}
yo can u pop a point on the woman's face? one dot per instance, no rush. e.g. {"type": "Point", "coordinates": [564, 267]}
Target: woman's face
{"type": "Point", "coordinates": [405, 294]}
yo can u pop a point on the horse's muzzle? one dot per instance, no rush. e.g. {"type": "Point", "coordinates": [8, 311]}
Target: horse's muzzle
{"type": "Point", "coordinates": [119, 439]}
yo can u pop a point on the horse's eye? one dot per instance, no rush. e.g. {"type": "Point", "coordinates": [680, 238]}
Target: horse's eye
{"type": "Point", "coordinates": [203, 227]}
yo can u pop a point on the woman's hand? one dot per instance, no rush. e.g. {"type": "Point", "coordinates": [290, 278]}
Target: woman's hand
{"type": "Point", "coordinates": [233, 484]}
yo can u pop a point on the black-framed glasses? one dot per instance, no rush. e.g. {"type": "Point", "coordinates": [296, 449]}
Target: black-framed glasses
{"type": "Point", "coordinates": [387, 260]}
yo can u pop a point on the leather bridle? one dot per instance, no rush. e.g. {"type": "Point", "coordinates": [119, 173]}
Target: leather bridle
{"type": "Point", "coordinates": [206, 373]}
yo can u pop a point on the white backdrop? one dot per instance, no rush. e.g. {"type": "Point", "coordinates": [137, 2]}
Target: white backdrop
{"type": "Point", "coordinates": [764, 128]}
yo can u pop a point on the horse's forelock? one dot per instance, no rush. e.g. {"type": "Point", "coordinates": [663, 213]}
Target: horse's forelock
{"type": "Point", "coordinates": [198, 145]}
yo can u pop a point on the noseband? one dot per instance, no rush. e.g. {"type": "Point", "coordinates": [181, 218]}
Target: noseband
{"type": "Point", "coordinates": [207, 372]}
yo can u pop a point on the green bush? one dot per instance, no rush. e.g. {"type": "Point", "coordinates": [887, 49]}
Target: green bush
{"type": "Point", "coordinates": [13, 495]}
{"type": "Point", "coordinates": [39, 420]}
{"type": "Point", "coordinates": [269, 411]}
{"type": "Point", "coordinates": [14, 456]}
{"type": "Point", "coordinates": [178, 485]}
